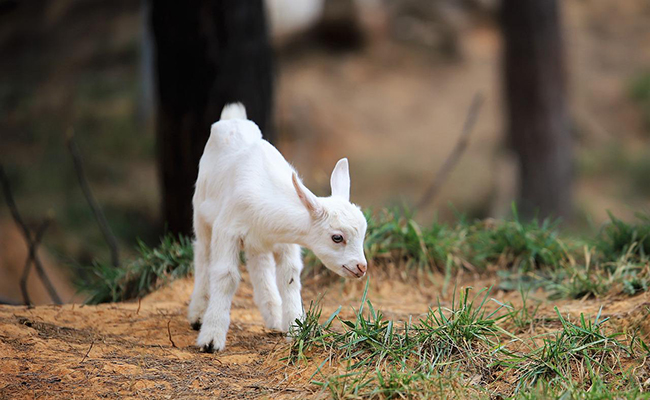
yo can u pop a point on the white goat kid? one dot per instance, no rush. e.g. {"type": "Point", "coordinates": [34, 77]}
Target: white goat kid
{"type": "Point", "coordinates": [248, 197]}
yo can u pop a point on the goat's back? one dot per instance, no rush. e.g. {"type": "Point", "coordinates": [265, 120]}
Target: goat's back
{"type": "Point", "coordinates": [239, 170]}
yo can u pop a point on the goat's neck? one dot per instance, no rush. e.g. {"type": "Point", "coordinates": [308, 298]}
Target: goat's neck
{"type": "Point", "coordinates": [292, 224]}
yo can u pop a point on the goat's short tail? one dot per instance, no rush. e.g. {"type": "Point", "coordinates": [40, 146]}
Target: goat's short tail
{"type": "Point", "coordinates": [233, 111]}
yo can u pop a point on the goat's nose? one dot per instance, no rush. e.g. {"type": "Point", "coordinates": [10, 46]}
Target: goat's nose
{"type": "Point", "coordinates": [362, 267]}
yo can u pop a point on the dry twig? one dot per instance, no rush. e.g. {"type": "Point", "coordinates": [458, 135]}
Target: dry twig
{"type": "Point", "coordinates": [32, 243]}
{"type": "Point", "coordinates": [88, 352]}
{"type": "Point", "coordinates": [96, 209]}
{"type": "Point", "coordinates": [456, 153]}
{"type": "Point", "coordinates": [169, 332]}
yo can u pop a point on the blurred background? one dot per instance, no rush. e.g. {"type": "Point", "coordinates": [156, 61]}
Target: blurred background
{"type": "Point", "coordinates": [563, 127]}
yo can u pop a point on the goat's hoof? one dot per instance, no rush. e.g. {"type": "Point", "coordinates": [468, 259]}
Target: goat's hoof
{"type": "Point", "coordinates": [196, 325]}
{"type": "Point", "coordinates": [211, 339]}
{"type": "Point", "coordinates": [208, 348]}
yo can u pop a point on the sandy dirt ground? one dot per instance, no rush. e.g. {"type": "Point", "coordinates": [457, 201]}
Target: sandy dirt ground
{"type": "Point", "coordinates": [146, 349]}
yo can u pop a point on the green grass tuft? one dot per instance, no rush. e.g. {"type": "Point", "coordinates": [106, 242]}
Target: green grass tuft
{"type": "Point", "coordinates": [522, 245]}
{"type": "Point", "coordinates": [465, 350]}
{"type": "Point", "coordinates": [526, 254]}
{"type": "Point", "coordinates": [576, 353]}
{"type": "Point", "coordinates": [309, 333]}
{"type": "Point", "coordinates": [619, 239]}
{"type": "Point", "coordinates": [523, 318]}
{"type": "Point", "coordinates": [153, 267]}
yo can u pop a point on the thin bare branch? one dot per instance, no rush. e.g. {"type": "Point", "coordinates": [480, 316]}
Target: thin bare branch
{"type": "Point", "coordinates": [96, 209]}
{"type": "Point", "coordinates": [32, 243]}
{"type": "Point", "coordinates": [44, 278]}
{"type": "Point", "coordinates": [6, 189]}
{"type": "Point", "coordinates": [23, 283]}
{"type": "Point", "coordinates": [451, 161]}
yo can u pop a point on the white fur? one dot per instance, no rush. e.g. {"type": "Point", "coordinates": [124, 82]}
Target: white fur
{"type": "Point", "coordinates": [248, 197]}
{"type": "Point", "coordinates": [233, 111]}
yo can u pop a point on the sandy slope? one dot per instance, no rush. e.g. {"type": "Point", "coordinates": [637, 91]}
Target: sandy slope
{"type": "Point", "coordinates": [145, 350]}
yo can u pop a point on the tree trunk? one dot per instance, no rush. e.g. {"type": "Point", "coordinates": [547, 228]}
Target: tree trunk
{"type": "Point", "coordinates": [535, 93]}
{"type": "Point", "coordinates": [208, 53]}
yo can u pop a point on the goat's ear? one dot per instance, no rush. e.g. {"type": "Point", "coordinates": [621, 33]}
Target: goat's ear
{"type": "Point", "coordinates": [340, 180]}
{"type": "Point", "coordinates": [307, 197]}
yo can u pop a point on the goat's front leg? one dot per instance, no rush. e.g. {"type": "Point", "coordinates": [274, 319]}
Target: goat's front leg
{"type": "Point", "coordinates": [289, 266]}
{"type": "Point", "coordinates": [261, 268]}
{"type": "Point", "coordinates": [224, 280]}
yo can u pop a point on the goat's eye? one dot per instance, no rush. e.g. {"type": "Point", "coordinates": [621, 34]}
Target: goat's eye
{"type": "Point", "coordinates": [337, 238]}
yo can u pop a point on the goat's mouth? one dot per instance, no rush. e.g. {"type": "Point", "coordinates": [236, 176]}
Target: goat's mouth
{"type": "Point", "coordinates": [352, 273]}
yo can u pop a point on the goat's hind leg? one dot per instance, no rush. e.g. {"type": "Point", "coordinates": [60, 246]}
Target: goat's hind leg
{"type": "Point", "coordinates": [224, 279]}
{"type": "Point", "coordinates": [201, 293]}
{"type": "Point", "coordinates": [261, 268]}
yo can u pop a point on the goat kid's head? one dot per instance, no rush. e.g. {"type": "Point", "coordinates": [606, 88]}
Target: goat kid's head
{"type": "Point", "coordinates": [338, 227]}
